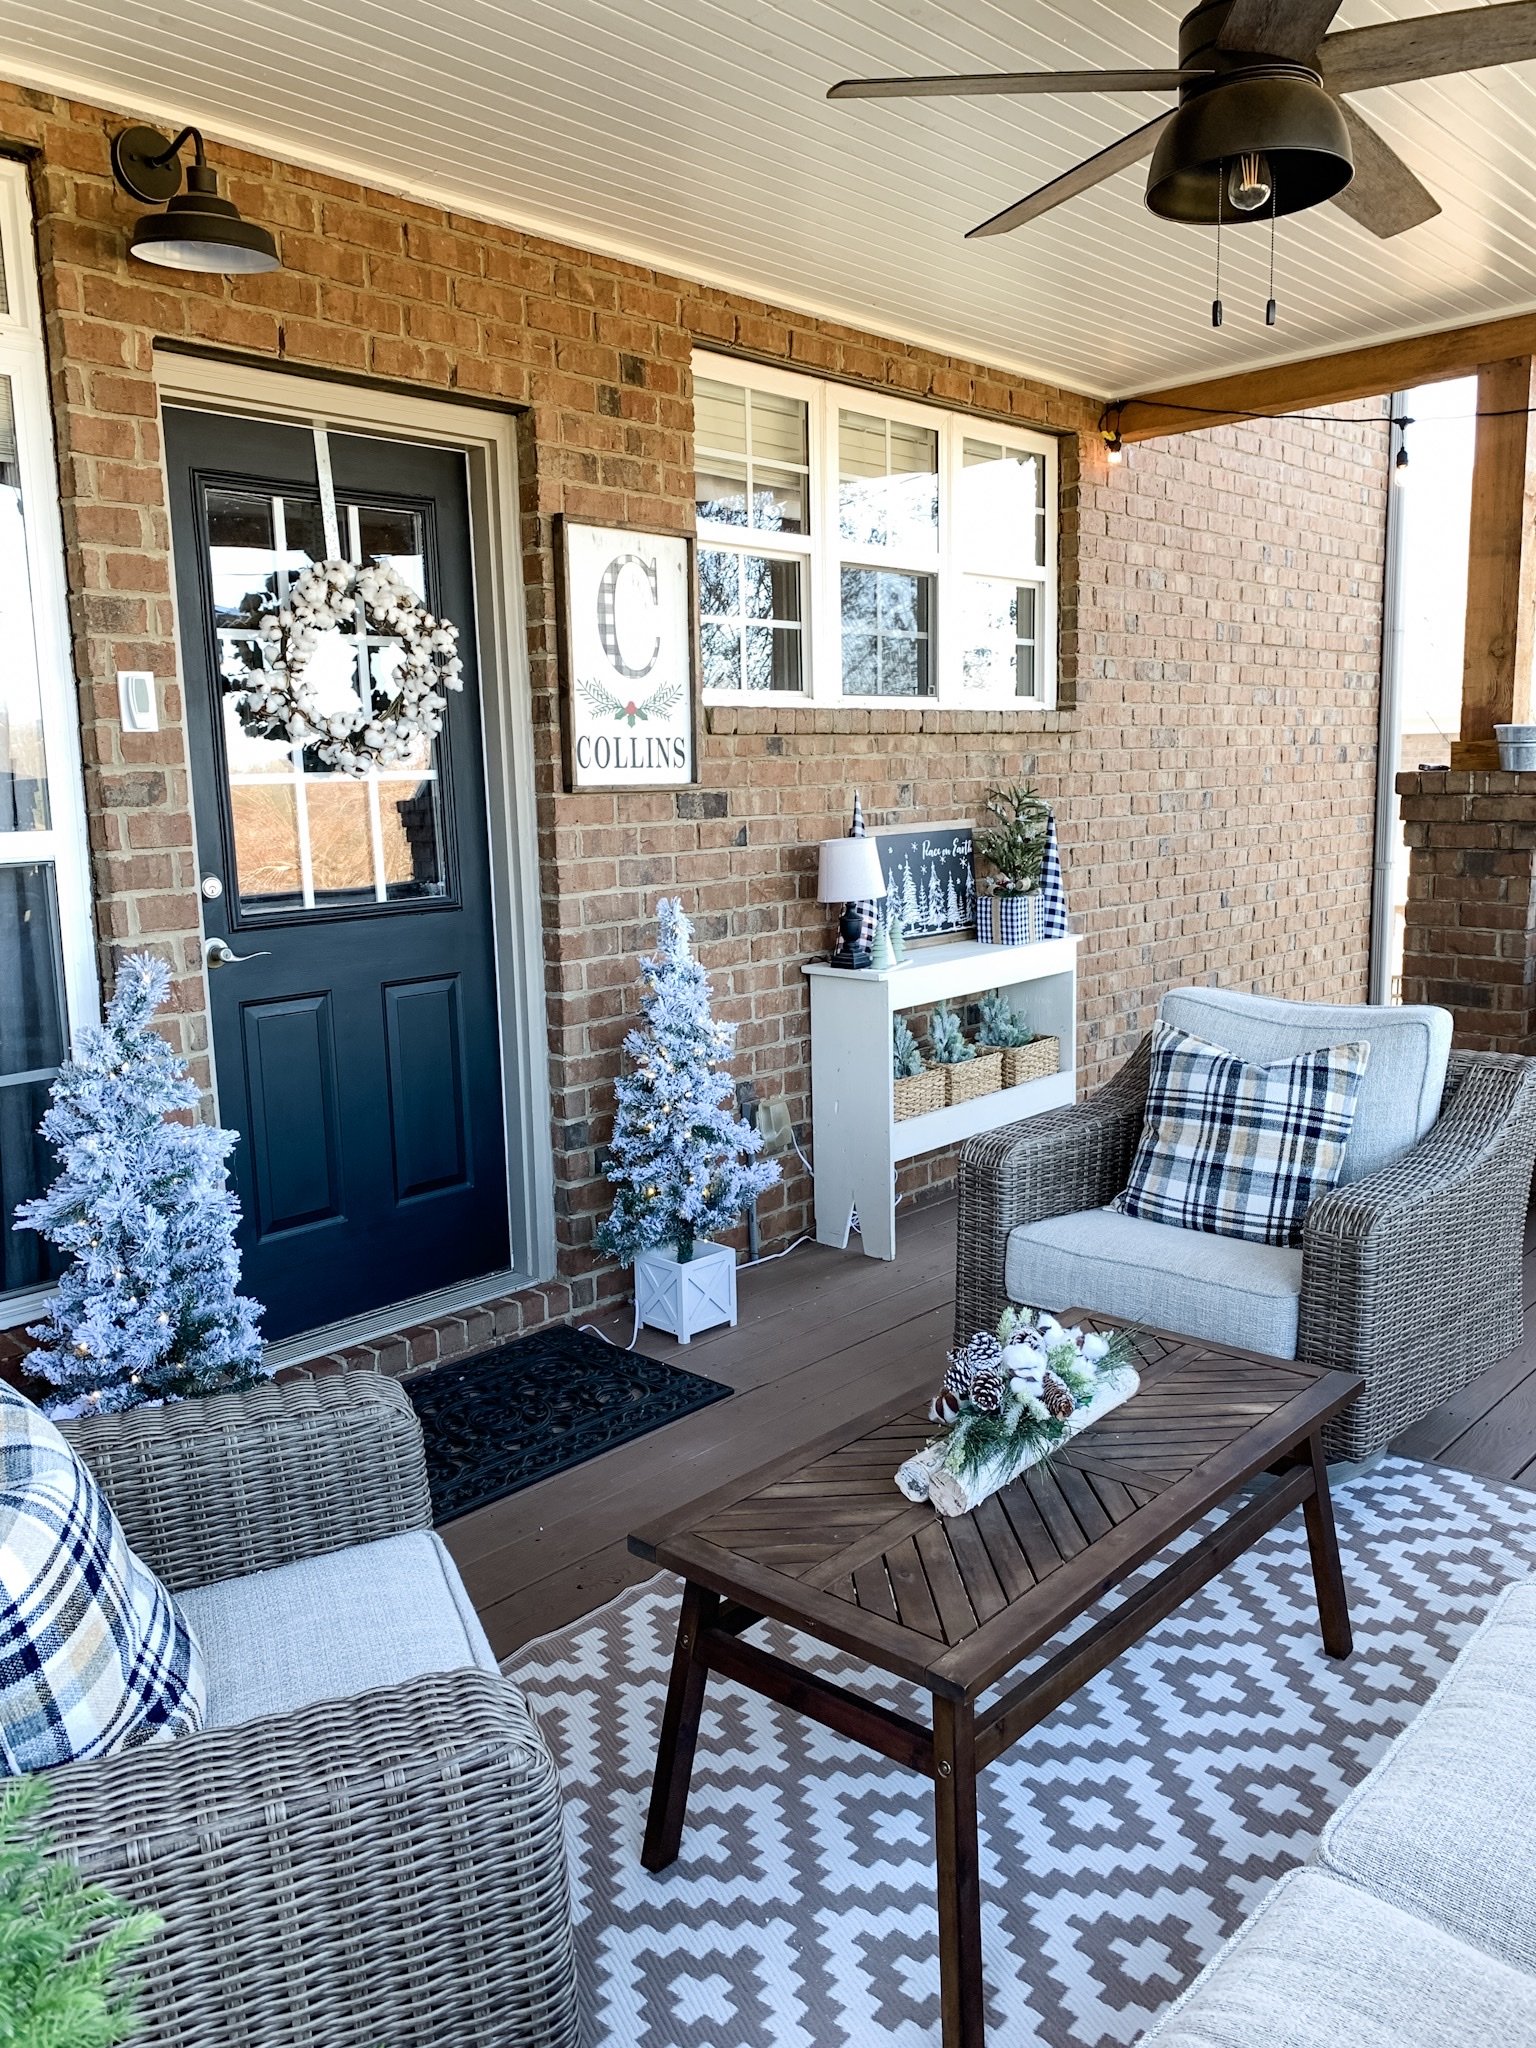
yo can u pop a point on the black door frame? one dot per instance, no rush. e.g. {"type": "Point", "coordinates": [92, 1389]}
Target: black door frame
{"type": "Point", "coordinates": [488, 439]}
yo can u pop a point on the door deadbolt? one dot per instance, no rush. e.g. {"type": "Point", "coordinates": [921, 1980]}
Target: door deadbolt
{"type": "Point", "coordinates": [213, 888]}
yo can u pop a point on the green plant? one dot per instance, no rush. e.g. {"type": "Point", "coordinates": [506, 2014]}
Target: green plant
{"type": "Point", "coordinates": [1001, 1023]}
{"type": "Point", "coordinates": [906, 1057]}
{"type": "Point", "coordinates": [1014, 844]}
{"type": "Point", "coordinates": [950, 1045]}
{"type": "Point", "coordinates": [63, 1942]}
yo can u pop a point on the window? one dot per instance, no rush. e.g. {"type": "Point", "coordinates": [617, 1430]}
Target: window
{"type": "Point", "coordinates": [863, 549]}
{"type": "Point", "coordinates": [46, 967]}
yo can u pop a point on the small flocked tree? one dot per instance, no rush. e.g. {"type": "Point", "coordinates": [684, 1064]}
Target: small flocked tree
{"type": "Point", "coordinates": [951, 1047]}
{"type": "Point", "coordinates": [148, 1308]}
{"type": "Point", "coordinates": [682, 1163]}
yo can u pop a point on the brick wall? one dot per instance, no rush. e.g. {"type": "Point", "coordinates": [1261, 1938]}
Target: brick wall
{"type": "Point", "coordinates": [1470, 931]}
{"type": "Point", "coordinates": [1212, 763]}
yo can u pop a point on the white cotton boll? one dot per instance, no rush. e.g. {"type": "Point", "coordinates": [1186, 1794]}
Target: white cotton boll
{"type": "Point", "coordinates": [1051, 1332]}
{"type": "Point", "coordinates": [1095, 1347]}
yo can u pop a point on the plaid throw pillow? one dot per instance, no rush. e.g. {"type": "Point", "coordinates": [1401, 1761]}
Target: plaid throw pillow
{"type": "Point", "coordinates": [94, 1654]}
{"type": "Point", "coordinates": [1240, 1150]}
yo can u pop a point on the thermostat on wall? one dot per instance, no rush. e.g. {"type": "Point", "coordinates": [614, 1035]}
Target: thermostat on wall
{"type": "Point", "coordinates": [136, 695]}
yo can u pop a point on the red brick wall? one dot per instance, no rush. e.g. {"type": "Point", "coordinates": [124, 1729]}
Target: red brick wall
{"type": "Point", "coordinates": [1212, 763]}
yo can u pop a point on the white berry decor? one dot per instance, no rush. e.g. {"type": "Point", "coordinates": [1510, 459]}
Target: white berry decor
{"type": "Point", "coordinates": [1010, 1400]}
{"type": "Point", "coordinates": [407, 675]}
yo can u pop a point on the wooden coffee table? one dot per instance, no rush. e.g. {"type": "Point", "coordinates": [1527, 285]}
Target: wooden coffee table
{"type": "Point", "coordinates": [822, 1540]}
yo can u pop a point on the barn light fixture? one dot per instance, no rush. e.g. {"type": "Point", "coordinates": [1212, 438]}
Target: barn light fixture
{"type": "Point", "coordinates": [198, 230]}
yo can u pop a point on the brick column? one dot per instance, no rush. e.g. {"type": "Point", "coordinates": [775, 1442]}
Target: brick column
{"type": "Point", "coordinates": [1470, 941]}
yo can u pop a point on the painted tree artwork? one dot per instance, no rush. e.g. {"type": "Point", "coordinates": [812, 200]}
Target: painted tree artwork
{"type": "Point", "coordinates": [930, 878]}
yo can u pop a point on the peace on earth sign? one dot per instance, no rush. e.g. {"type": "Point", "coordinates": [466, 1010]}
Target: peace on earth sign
{"type": "Point", "coordinates": [626, 657]}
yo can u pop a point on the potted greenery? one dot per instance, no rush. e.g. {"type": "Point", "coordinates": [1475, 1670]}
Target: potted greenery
{"type": "Point", "coordinates": [917, 1087]}
{"type": "Point", "coordinates": [967, 1073]}
{"type": "Point", "coordinates": [1010, 910]}
{"type": "Point", "coordinates": [1025, 1057]}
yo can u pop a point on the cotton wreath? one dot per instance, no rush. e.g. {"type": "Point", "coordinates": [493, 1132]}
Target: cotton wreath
{"type": "Point", "coordinates": [280, 703]}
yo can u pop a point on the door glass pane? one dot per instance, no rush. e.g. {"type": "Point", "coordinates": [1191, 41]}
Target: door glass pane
{"type": "Point", "coordinates": [750, 621]}
{"type": "Point", "coordinates": [887, 634]}
{"type": "Point", "coordinates": [1002, 506]}
{"type": "Point", "coordinates": [23, 779]}
{"type": "Point", "coordinates": [33, 1043]}
{"type": "Point", "coordinates": [307, 836]}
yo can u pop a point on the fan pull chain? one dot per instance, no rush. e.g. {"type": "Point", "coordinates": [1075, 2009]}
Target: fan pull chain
{"type": "Point", "coordinates": [1221, 187]}
{"type": "Point", "coordinates": [1270, 309]}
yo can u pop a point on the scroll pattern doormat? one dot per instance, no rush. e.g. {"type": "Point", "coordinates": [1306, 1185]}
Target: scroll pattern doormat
{"type": "Point", "coordinates": [1121, 1842]}
{"type": "Point", "coordinates": [497, 1422]}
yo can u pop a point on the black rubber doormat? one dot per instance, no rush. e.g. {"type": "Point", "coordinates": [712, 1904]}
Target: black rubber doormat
{"type": "Point", "coordinates": [497, 1422]}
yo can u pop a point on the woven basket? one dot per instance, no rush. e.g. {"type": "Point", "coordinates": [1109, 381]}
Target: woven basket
{"type": "Point", "coordinates": [917, 1093]}
{"type": "Point", "coordinates": [1032, 1062]}
{"type": "Point", "coordinates": [980, 1076]}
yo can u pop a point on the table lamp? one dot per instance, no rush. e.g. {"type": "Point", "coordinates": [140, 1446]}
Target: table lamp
{"type": "Point", "coordinates": [850, 875]}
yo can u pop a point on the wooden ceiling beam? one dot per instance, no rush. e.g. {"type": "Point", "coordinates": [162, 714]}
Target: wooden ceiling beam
{"type": "Point", "coordinates": [1372, 372]}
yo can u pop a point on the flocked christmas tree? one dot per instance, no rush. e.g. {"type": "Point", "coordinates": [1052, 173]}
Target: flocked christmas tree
{"type": "Point", "coordinates": [148, 1308]}
{"type": "Point", "coordinates": [682, 1163]}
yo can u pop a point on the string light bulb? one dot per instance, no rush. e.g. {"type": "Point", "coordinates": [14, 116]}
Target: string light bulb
{"type": "Point", "coordinates": [1400, 460]}
{"type": "Point", "coordinates": [1114, 447]}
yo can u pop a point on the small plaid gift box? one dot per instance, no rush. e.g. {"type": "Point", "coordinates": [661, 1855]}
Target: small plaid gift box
{"type": "Point", "coordinates": [1010, 920]}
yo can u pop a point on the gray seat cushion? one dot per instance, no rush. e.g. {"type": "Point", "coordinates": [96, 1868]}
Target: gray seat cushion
{"type": "Point", "coordinates": [330, 1627]}
{"type": "Point", "coordinates": [1445, 1826]}
{"type": "Point", "coordinates": [1321, 1965]}
{"type": "Point", "coordinates": [1226, 1288]}
{"type": "Point", "coordinates": [1401, 1089]}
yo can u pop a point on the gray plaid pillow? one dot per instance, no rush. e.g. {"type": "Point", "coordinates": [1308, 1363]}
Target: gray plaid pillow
{"type": "Point", "coordinates": [1241, 1150]}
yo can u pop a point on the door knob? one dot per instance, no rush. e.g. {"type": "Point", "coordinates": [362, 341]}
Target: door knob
{"type": "Point", "coordinates": [217, 954]}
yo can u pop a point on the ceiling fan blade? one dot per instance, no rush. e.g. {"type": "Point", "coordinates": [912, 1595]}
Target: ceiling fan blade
{"type": "Point", "coordinates": [1010, 82]}
{"type": "Point", "coordinates": [1429, 46]}
{"type": "Point", "coordinates": [1082, 177]}
{"type": "Point", "coordinates": [1383, 195]}
{"type": "Point", "coordinates": [1277, 28]}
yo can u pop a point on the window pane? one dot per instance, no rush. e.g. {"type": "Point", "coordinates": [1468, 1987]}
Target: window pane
{"type": "Point", "coordinates": [720, 490]}
{"type": "Point", "coordinates": [720, 417]}
{"type": "Point", "coordinates": [393, 534]}
{"type": "Point", "coordinates": [751, 451]}
{"type": "Point", "coordinates": [751, 622]}
{"type": "Point", "coordinates": [411, 838]}
{"type": "Point", "coordinates": [887, 634]}
{"type": "Point", "coordinates": [888, 484]}
{"type": "Point", "coordinates": [23, 775]}
{"type": "Point", "coordinates": [1002, 504]}
{"type": "Point", "coordinates": [778, 499]}
{"type": "Point", "coordinates": [266, 820]}
{"type": "Point", "coordinates": [1000, 646]}
{"type": "Point", "coordinates": [340, 837]}
{"type": "Point", "coordinates": [33, 1043]}
{"type": "Point", "coordinates": [778, 428]}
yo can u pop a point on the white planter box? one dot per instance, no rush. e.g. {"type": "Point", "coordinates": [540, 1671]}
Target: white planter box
{"type": "Point", "coordinates": [697, 1294]}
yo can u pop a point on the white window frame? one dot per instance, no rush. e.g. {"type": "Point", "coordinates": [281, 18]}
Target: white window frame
{"type": "Point", "coordinates": [64, 844]}
{"type": "Point", "coordinates": [823, 552]}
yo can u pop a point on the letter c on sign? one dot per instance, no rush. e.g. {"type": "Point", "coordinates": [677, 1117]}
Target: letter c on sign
{"type": "Point", "coordinates": [627, 605]}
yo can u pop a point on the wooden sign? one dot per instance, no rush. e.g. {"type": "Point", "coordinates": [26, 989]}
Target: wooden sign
{"type": "Point", "coordinates": [930, 877]}
{"type": "Point", "coordinates": [626, 657]}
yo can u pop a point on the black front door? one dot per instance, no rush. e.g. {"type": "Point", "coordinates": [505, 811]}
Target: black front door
{"type": "Point", "coordinates": [355, 1034]}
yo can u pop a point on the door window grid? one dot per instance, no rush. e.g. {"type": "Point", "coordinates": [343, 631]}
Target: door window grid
{"type": "Point", "coordinates": [328, 856]}
{"type": "Point", "coordinates": [984, 513]}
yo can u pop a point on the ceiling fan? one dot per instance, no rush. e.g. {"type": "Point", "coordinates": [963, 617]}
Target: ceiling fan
{"type": "Point", "coordinates": [1260, 128]}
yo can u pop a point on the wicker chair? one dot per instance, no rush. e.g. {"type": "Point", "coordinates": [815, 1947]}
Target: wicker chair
{"type": "Point", "coordinates": [380, 1871]}
{"type": "Point", "coordinates": [1410, 1276]}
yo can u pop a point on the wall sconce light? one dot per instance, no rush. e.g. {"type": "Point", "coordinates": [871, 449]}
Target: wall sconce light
{"type": "Point", "coordinates": [198, 230]}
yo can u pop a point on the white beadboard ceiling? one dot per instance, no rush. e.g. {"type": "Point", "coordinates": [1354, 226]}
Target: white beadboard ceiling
{"type": "Point", "coordinates": [694, 134]}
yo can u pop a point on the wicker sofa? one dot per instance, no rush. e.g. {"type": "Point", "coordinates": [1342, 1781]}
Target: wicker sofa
{"type": "Point", "coordinates": [362, 1846]}
{"type": "Point", "coordinates": [1409, 1273]}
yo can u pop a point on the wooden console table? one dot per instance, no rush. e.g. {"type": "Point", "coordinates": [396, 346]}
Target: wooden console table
{"type": "Point", "coordinates": [857, 1140]}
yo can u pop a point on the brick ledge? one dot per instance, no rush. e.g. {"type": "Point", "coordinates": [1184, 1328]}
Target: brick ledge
{"type": "Point", "coordinates": [808, 718]}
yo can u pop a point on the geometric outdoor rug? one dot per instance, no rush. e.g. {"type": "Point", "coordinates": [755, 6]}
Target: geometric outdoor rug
{"type": "Point", "coordinates": [1121, 1842]}
{"type": "Point", "coordinates": [498, 1421]}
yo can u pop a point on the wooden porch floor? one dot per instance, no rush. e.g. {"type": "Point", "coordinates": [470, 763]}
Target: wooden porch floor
{"type": "Point", "coordinates": [823, 1336]}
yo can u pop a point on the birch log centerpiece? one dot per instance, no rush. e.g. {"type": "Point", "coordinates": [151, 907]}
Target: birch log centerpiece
{"type": "Point", "coordinates": [1010, 1400]}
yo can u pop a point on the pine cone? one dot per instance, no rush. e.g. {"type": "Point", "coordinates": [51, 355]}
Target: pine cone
{"type": "Point", "coordinates": [1056, 1397]}
{"type": "Point", "coordinates": [981, 1353]}
{"type": "Point", "coordinates": [989, 1389]}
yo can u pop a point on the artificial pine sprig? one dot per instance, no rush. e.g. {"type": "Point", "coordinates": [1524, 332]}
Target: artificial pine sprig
{"type": "Point", "coordinates": [950, 1045]}
{"type": "Point", "coordinates": [906, 1054]}
{"type": "Point", "coordinates": [1001, 1023]}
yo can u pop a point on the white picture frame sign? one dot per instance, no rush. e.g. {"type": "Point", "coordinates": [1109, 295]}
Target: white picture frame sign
{"type": "Point", "coordinates": [627, 657]}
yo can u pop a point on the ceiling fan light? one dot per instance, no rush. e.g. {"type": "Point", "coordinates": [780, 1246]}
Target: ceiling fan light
{"type": "Point", "coordinates": [1280, 114]}
{"type": "Point", "coordinates": [1250, 182]}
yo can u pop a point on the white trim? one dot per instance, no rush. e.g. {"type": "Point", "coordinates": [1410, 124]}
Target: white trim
{"type": "Point", "coordinates": [66, 843]}
{"type": "Point", "coordinates": [489, 440]}
{"type": "Point", "coordinates": [825, 554]}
